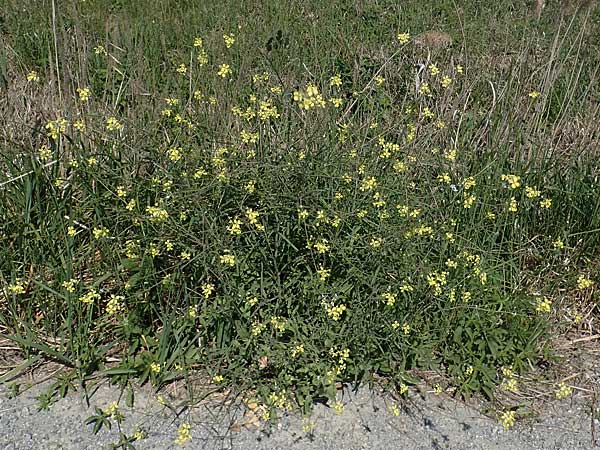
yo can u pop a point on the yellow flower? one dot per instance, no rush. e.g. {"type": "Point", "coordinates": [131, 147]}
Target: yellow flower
{"type": "Point", "coordinates": [546, 203]}
{"type": "Point", "coordinates": [175, 154]}
{"type": "Point", "coordinates": [558, 244]}
{"type": "Point", "coordinates": [389, 298]}
{"type": "Point", "coordinates": [334, 311]}
{"type": "Point", "coordinates": [532, 192]}
{"type": "Point", "coordinates": [229, 40]}
{"type": "Point", "coordinates": [336, 102]}
{"type": "Point", "coordinates": [33, 76]}
{"type": "Point", "coordinates": [514, 181]}
{"type": "Point", "coordinates": [469, 183]}
{"type": "Point", "coordinates": [112, 124]}
{"type": "Point", "coordinates": [138, 435]}
{"type": "Point", "coordinates": [202, 57]}
{"type": "Point", "coordinates": [121, 192]}
{"type": "Point", "coordinates": [376, 242]}
{"type": "Point", "coordinates": [183, 433]}
{"type": "Point", "coordinates": [297, 350]}
{"type": "Point", "coordinates": [451, 264]}
{"type": "Point", "coordinates": [403, 38]}
{"type": "Point", "coordinates": [335, 80]}
{"type": "Point", "coordinates": [100, 50]}
{"type": "Point", "coordinates": [101, 232]}
{"type": "Point", "coordinates": [17, 287]}
{"type": "Point", "coordinates": [84, 94]}
{"type": "Point", "coordinates": [338, 407]}
{"type": "Point", "coordinates": [198, 42]}
{"type": "Point", "coordinates": [544, 305]}
{"type": "Point", "coordinates": [112, 409]}
{"type": "Point", "coordinates": [534, 94]}
{"type": "Point", "coordinates": [249, 137]}
{"type": "Point", "coordinates": [155, 367]}
{"type": "Point", "coordinates": [227, 259]}
{"type": "Point", "coordinates": [428, 114]}
{"type": "Point", "coordinates": [207, 289]}
{"type": "Point", "coordinates": [90, 297]}
{"type": "Point", "coordinates": [224, 70]}
{"type": "Point", "coordinates": [563, 391]}
{"type": "Point", "coordinates": [157, 214]}
{"type": "Point", "coordinates": [45, 153]}
{"type": "Point", "coordinates": [323, 273]}
{"type": "Point", "coordinates": [252, 216]}
{"type": "Point", "coordinates": [368, 184]}
{"type": "Point", "coordinates": [424, 89]}
{"type": "Point", "coordinates": [235, 226]}
{"type": "Point", "coordinates": [200, 173]}
{"type": "Point", "coordinates": [446, 81]}
{"type": "Point", "coordinates": [469, 201]}
{"type": "Point", "coordinates": [115, 305]}
{"type": "Point", "coordinates": [79, 125]}
{"type": "Point", "coordinates": [182, 69]}
{"type": "Point", "coordinates": [583, 282]}
{"type": "Point", "coordinates": [433, 69]}
{"type": "Point", "coordinates": [450, 155]}
{"type": "Point", "coordinates": [56, 128]}
{"type": "Point", "coordinates": [321, 247]}
{"type": "Point", "coordinates": [507, 419]}
{"type": "Point", "coordinates": [512, 205]}
{"type": "Point", "coordinates": [444, 178]}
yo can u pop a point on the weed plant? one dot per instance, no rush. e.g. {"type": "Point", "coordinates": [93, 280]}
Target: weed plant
{"type": "Point", "coordinates": [288, 208]}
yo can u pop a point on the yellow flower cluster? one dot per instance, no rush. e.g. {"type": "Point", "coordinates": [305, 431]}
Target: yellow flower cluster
{"type": "Point", "coordinates": [544, 305]}
{"type": "Point", "coordinates": [184, 433]}
{"type": "Point", "coordinates": [507, 419]}
{"type": "Point", "coordinates": [514, 181]}
{"type": "Point", "coordinates": [157, 214]}
{"type": "Point", "coordinates": [227, 259]}
{"type": "Point", "coordinates": [584, 282]}
{"type": "Point", "coordinates": [403, 38]}
{"type": "Point", "coordinates": [90, 297]}
{"type": "Point", "coordinates": [309, 98]}
{"type": "Point", "coordinates": [175, 154]}
{"type": "Point", "coordinates": [229, 40]}
{"type": "Point", "coordinates": [224, 70]}
{"type": "Point", "coordinates": [112, 124]}
{"type": "Point", "coordinates": [563, 391]}
{"type": "Point", "coordinates": [333, 310]}
{"type": "Point", "coordinates": [33, 76]}
{"type": "Point", "coordinates": [69, 285]}
{"type": "Point", "coordinates": [389, 298]}
{"type": "Point", "coordinates": [115, 305]}
{"type": "Point", "coordinates": [16, 287]}
{"type": "Point", "coordinates": [436, 280]}
{"type": "Point", "coordinates": [56, 128]}
{"type": "Point", "coordinates": [100, 232]}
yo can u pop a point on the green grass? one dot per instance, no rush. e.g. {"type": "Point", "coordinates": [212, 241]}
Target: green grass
{"type": "Point", "coordinates": [363, 259]}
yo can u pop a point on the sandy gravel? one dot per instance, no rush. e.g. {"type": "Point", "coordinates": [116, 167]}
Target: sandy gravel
{"type": "Point", "coordinates": [426, 421]}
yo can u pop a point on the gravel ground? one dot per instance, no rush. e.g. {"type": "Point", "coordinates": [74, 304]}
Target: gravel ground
{"type": "Point", "coordinates": [426, 421]}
